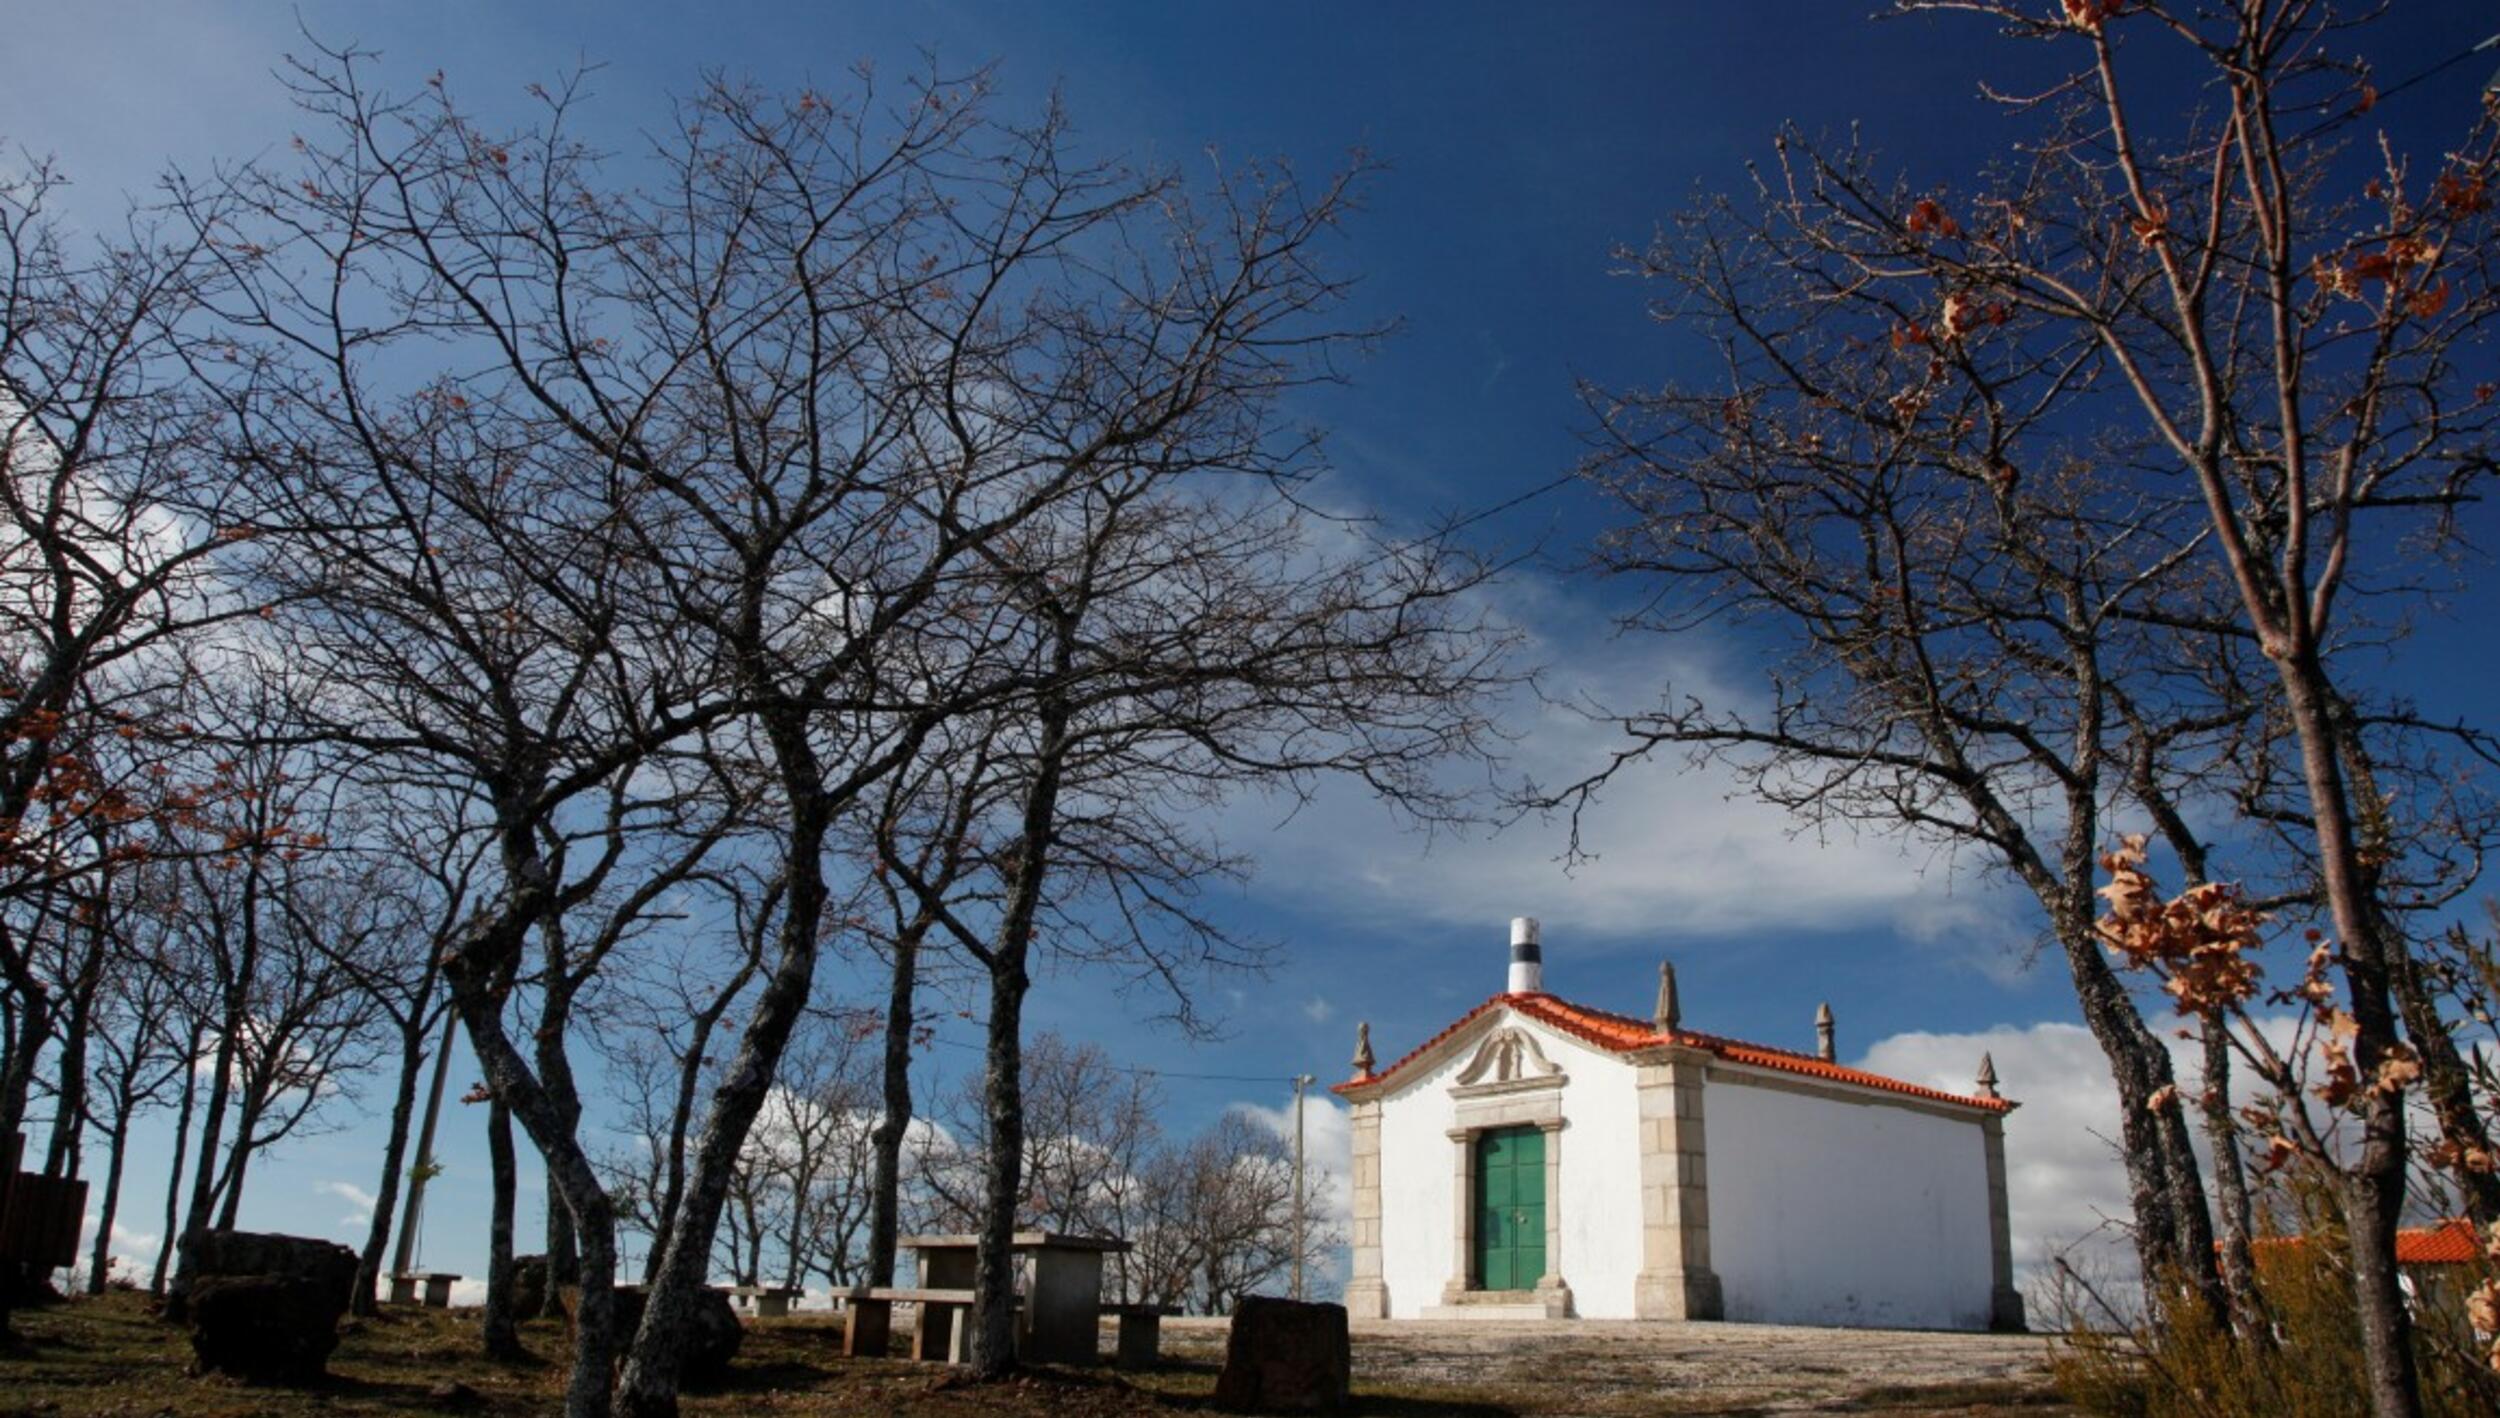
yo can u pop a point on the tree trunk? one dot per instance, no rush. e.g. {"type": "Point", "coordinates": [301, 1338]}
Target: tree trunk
{"type": "Point", "coordinates": [991, 1350]}
{"type": "Point", "coordinates": [2373, 1188]}
{"type": "Point", "coordinates": [2239, 1261]}
{"type": "Point", "coordinates": [894, 1119]}
{"type": "Point", "coordinates": [555, 1074]}
{"type": "Point", "coordinates": [204, 1179]}
{"type": "Point", "coordinates": [480, 972]}
{"type": "Point", "coordinates": [2448, 1087]}
{"type": "Point", "coordinates": [366, 1299]}
{"type": "Point", "coordinates": [17, 1077]}
{"type": "Point", "coordinates": [118, 1138]}
{"type": "Point", "coordinates": [502, 1323]}
{"type": "Point", "coordinates": [69, 1113]}
{"type": "Point", "coordinates": [173, 1179]}
{"type": "Point", "coordinates": [238, 1166]}
{"type": "Point", "coordinates": [2140, 1067]}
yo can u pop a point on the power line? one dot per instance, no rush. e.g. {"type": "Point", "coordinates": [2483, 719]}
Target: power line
{"type": "Point", "coordinates": [2384, 95]}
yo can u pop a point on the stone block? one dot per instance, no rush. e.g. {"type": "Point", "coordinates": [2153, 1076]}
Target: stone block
{"type": "Point", "coordinates": [1284, 1356]}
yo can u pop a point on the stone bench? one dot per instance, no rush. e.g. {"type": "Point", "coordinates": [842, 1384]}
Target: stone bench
{"type": "Point", "coordinates": [937, 1333]}
{"type": "Point", "coordinates": [437, 1289]}
{"type": "Point", "coordinates": [770, 1302]}
{"type": "Point", "coordinates": [1141, 1334]}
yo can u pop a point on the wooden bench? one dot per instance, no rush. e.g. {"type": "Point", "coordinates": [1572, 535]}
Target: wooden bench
{"type": "Point", "coordinates": [1141, 1334]}
{"type": "Point", "coordinates": [771, 1302]}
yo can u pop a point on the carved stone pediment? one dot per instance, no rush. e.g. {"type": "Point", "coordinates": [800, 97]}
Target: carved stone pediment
{"type": "Point", "coordinates": [1508, 1061]}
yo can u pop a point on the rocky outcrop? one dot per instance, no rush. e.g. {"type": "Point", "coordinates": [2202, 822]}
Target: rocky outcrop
{"type": "Point", "coordinates": [530, 1287]}
{"type": "Point", "coordinates": [264, 1307]}
{"type": "Point", "coordinates": [1286, 1357]}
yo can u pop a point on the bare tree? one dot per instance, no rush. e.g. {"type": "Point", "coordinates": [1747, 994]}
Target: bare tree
{"type": "Point", "coordinates": [1221, 1219]}
{"type": "Point", "coordinates": [138, 1039]}
{"type": "Point", "coordinates": [2297, 356]}
{"type": "Point", "coordinates": [111, 521]}
{"type": "Point", "coordinates": [2280, 357]}
{"type": "Point", "coordinates": [428, 887]}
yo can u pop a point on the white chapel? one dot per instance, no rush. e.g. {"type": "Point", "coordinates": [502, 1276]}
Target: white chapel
{"type": "Point", "coordinates": [1540, 1158]}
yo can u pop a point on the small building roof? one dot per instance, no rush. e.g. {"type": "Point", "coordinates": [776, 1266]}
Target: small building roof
{"type": "Point", "coordinates": [1622, 1034]}
{"type": "Point", "coordinates": [2450, 1242]}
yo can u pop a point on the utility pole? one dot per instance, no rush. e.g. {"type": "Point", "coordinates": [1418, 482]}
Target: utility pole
{"type": "Point", "coordinates": [1301, 1242]}
{"type": "Point", "coordinates": [404, 1262]}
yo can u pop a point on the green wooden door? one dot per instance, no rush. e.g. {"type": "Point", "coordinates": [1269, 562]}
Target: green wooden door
{"type": "Point", "coordinates": [1510, 1208]}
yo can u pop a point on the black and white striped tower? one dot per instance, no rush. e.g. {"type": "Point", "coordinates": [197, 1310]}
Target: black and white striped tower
{"type": "Point", "coordinates": [1527, 959]}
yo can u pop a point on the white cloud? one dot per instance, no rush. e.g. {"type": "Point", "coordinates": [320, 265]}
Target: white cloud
{"type": "Point", "coordinates": [1328, 1161]}
{"type": "Point", "coordinates": [1675, 847]}
{"type": "Point", "coordinates": [1319, 1010]}
{"type": "Point", "coordinates": [354, 1196]}
{"type": "Point", "coordinates": [131, 1257]}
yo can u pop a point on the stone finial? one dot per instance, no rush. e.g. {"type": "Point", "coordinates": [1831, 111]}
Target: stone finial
{"type": "Point", "coordinates": [1669, 1016]}
{"type": "Point", "coordinates": [1825, 1044]}
{"type": "Point", "coordinates": [1363, 1049]}
{"type": "Point", "coordinates": [1988, 1077]}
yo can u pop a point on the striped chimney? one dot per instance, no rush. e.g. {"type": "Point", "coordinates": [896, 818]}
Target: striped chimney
{"type": "Point", "coordinates": [1527, 959]}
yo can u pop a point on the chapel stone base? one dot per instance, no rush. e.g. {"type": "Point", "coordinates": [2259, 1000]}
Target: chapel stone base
{"type": "Point", "coordinates": [1676, 1295]}
{"type": "Point", "coordinates": [1550, 1300]}
{"type": "Point", "coordinates": [2005, 1311]}
{"type": "Point", "coordinates": [1366, 1300]}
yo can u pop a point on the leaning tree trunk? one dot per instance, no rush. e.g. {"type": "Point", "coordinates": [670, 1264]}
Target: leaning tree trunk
{"type": "Point", "coordinates": [648, 1388]}
{"type": "Point", "coordinates": [479, 971]}
{"type": "Point", "coordinates": [2140, 1067]}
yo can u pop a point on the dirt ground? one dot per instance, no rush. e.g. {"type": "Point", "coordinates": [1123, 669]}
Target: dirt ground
{"type": "Point", "coordinates": [1603, 1368]}
{"type": "Point", "coordinates": [110, 1356]}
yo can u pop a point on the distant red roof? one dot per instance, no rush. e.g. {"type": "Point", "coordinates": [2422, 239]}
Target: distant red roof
{"type": "Point", "coordinates": [1622, 1034]}
{"type": "Point", "coordinates": [2450, 1242]}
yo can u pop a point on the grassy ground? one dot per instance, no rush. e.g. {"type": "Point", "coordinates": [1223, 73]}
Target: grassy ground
{"type": "Point", "coordinates": [110, 1356]}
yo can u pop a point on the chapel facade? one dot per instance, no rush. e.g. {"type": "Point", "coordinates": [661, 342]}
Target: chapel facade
{"type": "Point", "coordinates": [1544, 1159]}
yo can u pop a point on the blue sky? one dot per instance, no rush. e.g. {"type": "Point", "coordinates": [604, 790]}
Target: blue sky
{"type": "Point", "coordinates": [1522, 143]}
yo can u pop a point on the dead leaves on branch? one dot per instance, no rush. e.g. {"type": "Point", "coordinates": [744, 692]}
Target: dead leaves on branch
{"type": "Point", "coordinates": [2199, 941]}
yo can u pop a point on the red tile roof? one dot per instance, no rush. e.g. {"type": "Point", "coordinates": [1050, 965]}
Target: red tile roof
{"type": "Point", "coordinates": [2450, 1242]}
{"type": "Point", "coordinates": [1622, 1034]}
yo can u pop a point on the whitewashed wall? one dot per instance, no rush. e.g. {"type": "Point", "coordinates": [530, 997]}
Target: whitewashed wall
{"type": "Point", "coordinates": [1600, 1200]}
{"type": "Point", "coordinates": [1415, 1200]}
{"type": "Point", "coordinates": [1601, 1178]}
{"type": "Point", "coordinates": [1838, 1213]}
